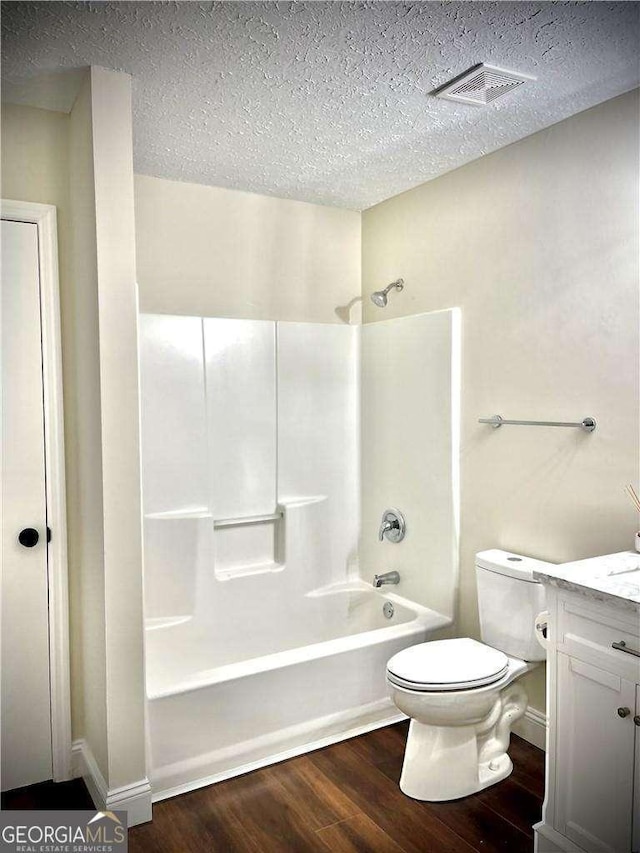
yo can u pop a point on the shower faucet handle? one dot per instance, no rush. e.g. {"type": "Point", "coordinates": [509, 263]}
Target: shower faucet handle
{"type": "Point", "coordinates": [393, 526]}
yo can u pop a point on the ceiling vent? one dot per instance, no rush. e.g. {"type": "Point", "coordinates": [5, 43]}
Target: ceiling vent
{"type": "Point", "coordinates": [482, 84]}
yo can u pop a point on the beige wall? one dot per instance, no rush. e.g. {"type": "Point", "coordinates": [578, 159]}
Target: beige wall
{"type": "Point", "coordinates": [538, 244]}
{"type": "Point", "coordinates": [36, 146]}
{"type": "Point", "coordinates": [35, 159]}
{"type": "Point", "coordinates": [207, 251]}
{"type": "Point", "coordinates": [82, 163]}
{"type": "Point", "coordinates": [84, 466]}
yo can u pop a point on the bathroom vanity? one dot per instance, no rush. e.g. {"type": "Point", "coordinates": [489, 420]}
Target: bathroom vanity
{"type": "Point", "coordinates": [592, 791]}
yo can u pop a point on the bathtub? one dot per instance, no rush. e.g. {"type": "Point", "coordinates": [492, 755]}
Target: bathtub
{"type": "Point", "coordinates": [221, 703]}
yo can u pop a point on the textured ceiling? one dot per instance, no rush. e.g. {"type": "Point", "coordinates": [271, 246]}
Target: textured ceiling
{"type": "Point", "coordinates": [325, 101]}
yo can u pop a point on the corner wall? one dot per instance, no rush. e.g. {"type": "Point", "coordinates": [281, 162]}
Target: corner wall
{"type": "Point", "coordinates": [84, 466]}
{"type": "Point", "coordinates": [538, 244]}
{"type": "Point", "coordinates": [115, 239]}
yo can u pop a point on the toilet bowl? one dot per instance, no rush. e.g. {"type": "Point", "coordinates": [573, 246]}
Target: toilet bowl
{"type": "Point", "coordinates": [462, 695]}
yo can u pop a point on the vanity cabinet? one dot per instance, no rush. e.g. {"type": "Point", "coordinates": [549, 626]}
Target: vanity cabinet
{"type": "Point", "coordinates": [592, 796]}
{"type": "Point", "coordinates": [594, 756]}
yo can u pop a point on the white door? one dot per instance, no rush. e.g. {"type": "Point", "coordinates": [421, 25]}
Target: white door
{"type": "Point", "coordinates": [25, 709]}
{"type": "Point", "coordinates": [594, 756]}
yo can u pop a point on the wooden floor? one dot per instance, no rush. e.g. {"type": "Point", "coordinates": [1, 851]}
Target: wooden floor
{"type": "Point", "coordinates": [345, 799]}
{"type": "Point", "coordinates": [50, 796]}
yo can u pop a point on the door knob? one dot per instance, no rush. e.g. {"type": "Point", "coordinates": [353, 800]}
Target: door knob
{"type": "Point", "coordinates": [636, 719]}
{"type": "Point", "coordinates": [28, 537]}
{"type": "Point", "coordinates": [623, 712]}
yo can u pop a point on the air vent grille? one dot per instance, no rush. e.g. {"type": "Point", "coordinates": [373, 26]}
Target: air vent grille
{"type": "Point", "coordinates": [482, 84]}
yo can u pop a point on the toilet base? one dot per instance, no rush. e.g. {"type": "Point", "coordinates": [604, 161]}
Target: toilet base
{"type": "Point", "coordinates": [450, 762]}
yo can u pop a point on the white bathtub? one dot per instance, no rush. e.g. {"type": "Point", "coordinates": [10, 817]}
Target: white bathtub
{"type": "Point", "coordinates": [222, 702]}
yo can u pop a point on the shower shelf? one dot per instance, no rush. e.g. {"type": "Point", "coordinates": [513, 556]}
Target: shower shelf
{"type": "Point", "coordinates": [249, 519]}
{"type": "Point", "coordinates": [243, 571]}
{"type": "Point", "coordinates": [177, 515]}
{"type": "Point", "coordinates": [173, 515]}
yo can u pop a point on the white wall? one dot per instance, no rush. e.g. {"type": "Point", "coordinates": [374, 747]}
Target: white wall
{"type": "Point", "coordinates": [240, 381]}
{"type": "Point", "coordinates": [318, 437]}
{"type": "Point", "coordinates": [259, 574]}
{"type": "Point", "coordinates": [214, 252]}
{"type": "Point", "coordinates": [119, 423]}
{"type": "Point", "coordinates": [410, 452]}
{"type": "Point", "coordinates": [538, 244]}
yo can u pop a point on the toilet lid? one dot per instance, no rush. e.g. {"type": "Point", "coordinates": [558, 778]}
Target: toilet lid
{"type": "Point", "coordinates": [447, 665]}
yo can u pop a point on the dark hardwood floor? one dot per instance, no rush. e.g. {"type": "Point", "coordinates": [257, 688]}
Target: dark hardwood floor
{"type": "Point", "coordinates": [50, 796]}
{"type": "Point", "coordinates": [345, 799]}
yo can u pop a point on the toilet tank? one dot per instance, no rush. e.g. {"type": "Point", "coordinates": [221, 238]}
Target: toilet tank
{"type": "Point", "coordinates": [509, 601]}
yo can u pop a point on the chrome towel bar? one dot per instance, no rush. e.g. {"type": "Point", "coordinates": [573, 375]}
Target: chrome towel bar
{"type": "Point", "coordinates": [587, 424]}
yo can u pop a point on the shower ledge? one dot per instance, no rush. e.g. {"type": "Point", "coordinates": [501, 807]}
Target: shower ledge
{"type": "Point", "coordinates": [355, 584]}
{"type": "Point", "coordinates": [153, 623]}
{"type": "Point", "coordinates": [178, 515]}
{"type": "Point", "coordinates": [226, 575]}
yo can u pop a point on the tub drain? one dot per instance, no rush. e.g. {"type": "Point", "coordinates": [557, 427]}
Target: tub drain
{"type": "Point", "coordinates": [387, 609]}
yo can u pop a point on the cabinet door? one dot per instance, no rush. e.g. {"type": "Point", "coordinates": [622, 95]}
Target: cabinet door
{"type": "Point", "coordinates": [636, 782]}
{"type": "Point", "coordinates": [594, 757]}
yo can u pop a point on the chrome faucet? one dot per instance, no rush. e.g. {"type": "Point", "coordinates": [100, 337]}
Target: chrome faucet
{"type": "Point", "coordinates": [392, 526]}
{"type": "Point", "coordinates": [387, 577]}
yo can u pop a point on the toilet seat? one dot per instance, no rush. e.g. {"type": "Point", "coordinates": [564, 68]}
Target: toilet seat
{"type": "Point", "coordinates": [459, 664]}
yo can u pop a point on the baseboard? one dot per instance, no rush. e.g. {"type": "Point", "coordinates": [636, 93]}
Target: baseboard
{"type": "Point", "coordinates": [532, 728]}
{"type": "Point", "coordinates": [84, 764]}
{"type": "Point", "coordinates": [135, 799]}
{"type": "Point", "coordinates": [547, 840]}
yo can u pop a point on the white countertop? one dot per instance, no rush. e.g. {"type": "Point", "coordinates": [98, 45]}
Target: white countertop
{"type": "Point", "coordinates": [612, 578]}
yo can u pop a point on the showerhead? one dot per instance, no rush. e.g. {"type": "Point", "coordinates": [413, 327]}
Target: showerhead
{"type": "Point", "coordinates": [380, 297]}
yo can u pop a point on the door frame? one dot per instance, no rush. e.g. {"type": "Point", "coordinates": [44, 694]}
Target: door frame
{"type": "Point", "coordinates": [44, 217]}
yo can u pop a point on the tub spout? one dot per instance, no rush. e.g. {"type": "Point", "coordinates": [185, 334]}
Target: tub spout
{"type": "Point", "coordinates": [387, 577]}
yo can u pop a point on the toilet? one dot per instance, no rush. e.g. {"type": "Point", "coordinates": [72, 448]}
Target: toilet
{"type": "Point", "coordinates": [463, 696]}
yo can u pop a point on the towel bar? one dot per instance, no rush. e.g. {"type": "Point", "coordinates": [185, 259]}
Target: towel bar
{"type": "Point", "coordinates": [587, 424]}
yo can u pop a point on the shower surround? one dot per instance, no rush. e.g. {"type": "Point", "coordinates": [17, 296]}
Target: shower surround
{"type": "Point", "coordinates": [263, 639]}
